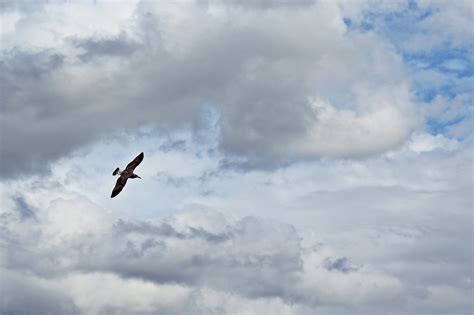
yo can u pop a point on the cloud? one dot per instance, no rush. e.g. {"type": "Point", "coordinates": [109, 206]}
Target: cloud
{"type": "Point", "coordinates": [167, 230]}
{"type": "Point", "coordinates": [452, 116]}
{"type": "Point", "coordinates": [335, 252]}
{"type": "Point", "coordinates": [173, 145]}
{"type": "Point", "coordinates": [23, 294]}
{"type": "Point", "coordinates": [160, 65]}
{"type": "Point", "coordinates": [441, 27]}
{"type": "Point", "coordinates": [426, 142]}
{"type": "Point", "coordinates": [174, 258]}
{"type": "Point", "coordinates": [105, 47]}
{"type": "Point", "coordinates": [118, 295]}
{"type": "Point", "coordinates": [351, 120]}
{"type": "Point", "coordinates": [25, 210]}
{"type": "Point", "coordinates": [421, 26]}
{"type": "Point", "coordinates": [340, 264]}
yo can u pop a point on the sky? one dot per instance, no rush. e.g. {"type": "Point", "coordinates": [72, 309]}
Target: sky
{"type": "Point", "coordinates": [303, 157]}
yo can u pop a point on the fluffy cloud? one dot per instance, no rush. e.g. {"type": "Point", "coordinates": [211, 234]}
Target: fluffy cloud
{"type": "Point", "coordinates": [161, 63]}
{"type": "Point", "coordinates": [161, 265]}
{"type": "Point", "coordinates": [336, 253]}
{"type": "Point", "coordinates": [352, 121]}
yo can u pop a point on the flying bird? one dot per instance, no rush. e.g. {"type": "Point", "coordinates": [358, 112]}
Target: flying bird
{"type": "Point", "coordinates": [126, 174]}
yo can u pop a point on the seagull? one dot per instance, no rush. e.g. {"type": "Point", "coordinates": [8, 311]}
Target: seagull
{"type": "Point", "coordinates": [126, 174]}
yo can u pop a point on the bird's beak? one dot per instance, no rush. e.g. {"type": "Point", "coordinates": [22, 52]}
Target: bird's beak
{"type": "Point", "coordinates": [139, 177]}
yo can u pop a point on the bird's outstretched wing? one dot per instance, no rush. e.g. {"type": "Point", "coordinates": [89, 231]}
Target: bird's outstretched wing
{"type": "Point", "coordinates": [121, 181]}
{"type": "Point", "coordinates": [136, 161]}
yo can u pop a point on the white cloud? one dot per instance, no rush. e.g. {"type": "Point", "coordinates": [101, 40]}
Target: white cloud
{"type": "Point", "coordinates": [48, 24]}
{"type": "Point", "coordinates": [117, 295]}
{"type": "Point", "coordinates": [338, 131]}
{"type": "Point", "coordinates": [444, 26]}
{"type": "Point", "coordinates": [427, 142]}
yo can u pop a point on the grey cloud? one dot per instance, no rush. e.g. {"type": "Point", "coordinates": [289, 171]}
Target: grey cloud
{"type": "Point", "coordinates": [165, 229]}
{"type": "Point", "coordinates": [119, 46]}
{"type": "Point", "coordinates": [210, 237]}
{"type": "Point", "coordinates": [29, 138]}
{"type": "Point", "coordinates": [25, 210]}
{"type": "Point", "coordinates": [262, 4]}
{"type": "Point", "coordinates": [205, 264]}
{"type": "Point", "coordinates": [259, 78]}
{"type": "Point", "coordinates": [21, 295]}
{"type": "Point", "coordinates": [172, 180]}
{"type": "Point", "coordinates": [339, 264]}
{"type": "Point", "coordinates": [20, 68]}
{"type": "Point", "coordinates": [20, 5]}
{"type": "Point", "coordinates": [23, 65]}
{"type": "Point", "coordinates": [173, 145]}
{"type": "Point", "coordinates": [230, 260]}
{"type": "Point", "coordinates": [210, 174]}
{"type": "Point", "coordinates": [244, 164]}
{"type": "Point", "coordinates": [252, 258]}
{"type": "Point", "coordinates": [403, 252]}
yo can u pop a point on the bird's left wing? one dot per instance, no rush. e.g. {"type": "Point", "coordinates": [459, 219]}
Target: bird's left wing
{"type": "Point", "coordinates": [121, 181]}
{"type": "Point", "coordinates": [136, 161]}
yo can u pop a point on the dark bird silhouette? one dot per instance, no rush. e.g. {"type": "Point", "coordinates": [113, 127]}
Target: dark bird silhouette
{"type": "Point", "coordinates": [126, 174]}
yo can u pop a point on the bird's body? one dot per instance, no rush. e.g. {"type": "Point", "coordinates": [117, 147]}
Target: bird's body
{"type": "Point", "coordinates": [126, 174]}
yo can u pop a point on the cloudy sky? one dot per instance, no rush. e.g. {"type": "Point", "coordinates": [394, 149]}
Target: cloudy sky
{"type": "Point", "coordinates": [303, 157]}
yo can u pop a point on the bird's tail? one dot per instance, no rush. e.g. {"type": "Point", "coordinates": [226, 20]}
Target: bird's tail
{"type": "Point", "coordinates": [117, 170]}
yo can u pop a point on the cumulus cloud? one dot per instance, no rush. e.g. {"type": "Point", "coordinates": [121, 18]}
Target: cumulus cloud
{"type": "Point", "coordinates": [335, 253]}
{"type": "Point", "coordinates": [351, 120]}
{"type": "Point", "coordinates": [161, 265]}
{"type": "Point", "coordinates": [162, 63]}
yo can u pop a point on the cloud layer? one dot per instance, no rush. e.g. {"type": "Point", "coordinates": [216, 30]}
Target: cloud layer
{"type": "Point", "coordinates": [213, 241]}
{"type": "Point", "coordinates": [312, 157]}
{"type": "Point", "coordinates": [180, 259]}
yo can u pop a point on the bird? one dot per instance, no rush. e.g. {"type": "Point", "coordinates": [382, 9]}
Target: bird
{"type": "Point", "coordinates": [126, 174]}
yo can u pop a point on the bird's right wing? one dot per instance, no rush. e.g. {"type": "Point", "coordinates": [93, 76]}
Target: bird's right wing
{"type": "Point", "coordinates": [136, 161]}
{"type": "Point", "coordinates": [121, 181]}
